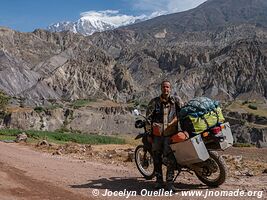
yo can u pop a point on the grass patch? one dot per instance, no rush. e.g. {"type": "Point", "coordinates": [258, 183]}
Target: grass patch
{"type": "Point", "coordinates": [58, 137]}
{"type": "Point", "coordinates": [82, 103]}
{"type": "Point", "coordinates": [255, 108]}
{"type": "Point", "coordinates": [40, 109]}
{"type": "Point", "coordinates": [243, 145]}
{"type": "Point", "coordinates": [7, 137]}
{"type": "Point", "coordinates": [54, 106]}
{"type": "Point", "coordinates": [129, 139]}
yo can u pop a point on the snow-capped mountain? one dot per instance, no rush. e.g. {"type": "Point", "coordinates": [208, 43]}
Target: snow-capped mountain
{"type": "Point", "coordinates": [93, 21]}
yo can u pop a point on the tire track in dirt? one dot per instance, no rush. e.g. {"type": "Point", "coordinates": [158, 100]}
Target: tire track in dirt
{"type": "Point", "coordinates": [16, 185]}
{"type": "Point", "coordinates": [31, 175]}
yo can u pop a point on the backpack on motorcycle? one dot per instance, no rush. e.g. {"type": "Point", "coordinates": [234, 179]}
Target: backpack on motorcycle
{"type": "Point", "coordinates": [179, 137]}
{"type": "Point", "coordinates": [200, 114]}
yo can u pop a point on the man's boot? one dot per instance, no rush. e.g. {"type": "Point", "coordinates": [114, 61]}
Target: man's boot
{"type": "Point", "coordinates": [169, 180]}
{"type": "Point", "coordinates": [170, 186]}
{"type": "Point", "coordinates": [159, 182]}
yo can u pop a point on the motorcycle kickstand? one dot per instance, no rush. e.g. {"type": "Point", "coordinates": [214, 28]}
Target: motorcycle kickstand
{"type": "Point", "coordinates": [176, 176]}
{"type": "Point", "coordinates": [186, 170]}
{"type": "Point", "coordinates": [180, 172]}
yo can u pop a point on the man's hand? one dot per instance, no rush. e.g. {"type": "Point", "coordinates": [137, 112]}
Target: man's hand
{"type": "Point", "coordinates": [157, 125]}
{"type": "Point", "coordinates": [173, 122]}
{"type": "Point", "coordinates": [157, 129]}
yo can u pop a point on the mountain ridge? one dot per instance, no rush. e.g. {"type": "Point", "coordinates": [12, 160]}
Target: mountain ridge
{"type": "Point", "coordinates": [210, 15]}
{"type": "Point", "coordinates": [127, 64]}
{"type": "Point", "coordinates": [92, 21]}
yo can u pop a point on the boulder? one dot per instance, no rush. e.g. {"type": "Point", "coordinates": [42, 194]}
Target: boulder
{"type": "Point", "coordinates": [22, 137]}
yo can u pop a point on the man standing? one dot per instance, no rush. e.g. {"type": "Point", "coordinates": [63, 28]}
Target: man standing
{"type": "Point", "coordinates": [162, 112]}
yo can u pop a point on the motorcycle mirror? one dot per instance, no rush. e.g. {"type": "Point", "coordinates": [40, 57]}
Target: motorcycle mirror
{"type": "Point", "coordinates": [136, 112]}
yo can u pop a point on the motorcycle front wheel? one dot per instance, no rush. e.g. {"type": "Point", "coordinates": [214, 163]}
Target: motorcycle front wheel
{"type": "Point", "coordinates": [144, 162]}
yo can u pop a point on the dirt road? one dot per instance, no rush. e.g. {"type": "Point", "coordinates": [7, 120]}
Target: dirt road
{"type": "Point", "coordinates": [28, 174]}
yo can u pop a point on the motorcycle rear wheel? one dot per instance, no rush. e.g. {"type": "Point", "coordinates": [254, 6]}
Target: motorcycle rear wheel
{"type": "Point", "coordinates": [221, 166]}
{"type": "Point", "coordinates": [144, 162]}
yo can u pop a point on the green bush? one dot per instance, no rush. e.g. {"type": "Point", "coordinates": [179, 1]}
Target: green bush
{"type": "Point", "coordinates": [243, 121]}
{"type": "Point", "coordinates": [141, 104]}
{"type": "Point", "coordinates": [39, 109]}
{"type": "Point", "coordinates": [2, 114]}
{"type": "Point", "coordinates": [253, 106]}
{"type": "Point", "coordinates": [4, 99]}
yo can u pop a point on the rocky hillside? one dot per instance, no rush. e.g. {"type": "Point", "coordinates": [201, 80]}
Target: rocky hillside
{"type": "Point", "coordinates": [217, 49]}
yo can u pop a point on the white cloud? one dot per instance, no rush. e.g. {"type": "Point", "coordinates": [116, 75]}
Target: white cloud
{"type": "Point", "coordinates": [111, 17]}
{"type": "Point", "coordinates": [168, 6]}
{"type": "Point", "coordinates": [153, 7]}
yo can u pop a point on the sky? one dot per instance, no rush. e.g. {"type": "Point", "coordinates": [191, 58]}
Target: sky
{"type": "Point", "coordinates": [28, 15]}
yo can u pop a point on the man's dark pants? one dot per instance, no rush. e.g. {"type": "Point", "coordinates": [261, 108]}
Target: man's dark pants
{"type": "Point", "coordinates": [162, 153]}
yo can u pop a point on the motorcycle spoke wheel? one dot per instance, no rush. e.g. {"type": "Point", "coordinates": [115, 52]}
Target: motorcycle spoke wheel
{"type": "Point", "coordinates": [144, 162]}
{"type": "Point", "coordinates": [213, 171]}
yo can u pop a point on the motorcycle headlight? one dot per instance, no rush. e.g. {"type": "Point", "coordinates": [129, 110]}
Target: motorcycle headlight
{"type": "Point", "coordinates": [140, 124]}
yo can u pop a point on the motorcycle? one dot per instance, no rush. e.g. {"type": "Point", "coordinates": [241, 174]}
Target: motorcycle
{"type": "Point", "coordinates": [212, 171]}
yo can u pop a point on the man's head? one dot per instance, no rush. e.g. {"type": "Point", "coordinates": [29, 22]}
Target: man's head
{"type": "Point", "coordinates": [165, 88]}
